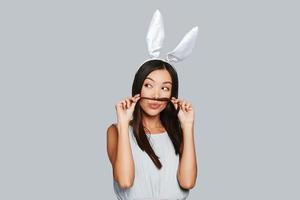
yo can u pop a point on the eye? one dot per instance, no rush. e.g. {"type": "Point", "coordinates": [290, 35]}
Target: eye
{"type": "Point", "coordinates": [148, 85]}
{"type": "Point", "coordinates": [166, 88]}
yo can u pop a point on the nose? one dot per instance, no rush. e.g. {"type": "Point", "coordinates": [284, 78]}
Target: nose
{"type": "Point", "coordinates": [156, 94]}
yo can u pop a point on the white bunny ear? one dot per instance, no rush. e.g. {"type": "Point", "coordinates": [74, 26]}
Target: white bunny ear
{"type": "Point", "coordinates": [155, 35]}
{"type": "Point", "coordinates": [185, 47]}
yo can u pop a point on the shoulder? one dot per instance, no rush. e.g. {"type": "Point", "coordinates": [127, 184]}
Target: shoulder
{"type": "Point", "coordinates": [112, 142]}
{"type": "Point", "coordinates": [112, 129]}
{"type": "Point", "coordinates": [112, 133]}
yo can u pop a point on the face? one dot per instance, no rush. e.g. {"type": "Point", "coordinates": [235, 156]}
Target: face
{"type": "Point", "coordinates": [158, 84]}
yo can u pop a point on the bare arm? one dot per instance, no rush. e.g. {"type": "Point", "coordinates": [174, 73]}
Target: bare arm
{"type": "Point", "coordinates": [187, 168]}
{"type": "Point", "coordinates": [120, 155]}
{"type": "Point", "coordinates": [118, 143]}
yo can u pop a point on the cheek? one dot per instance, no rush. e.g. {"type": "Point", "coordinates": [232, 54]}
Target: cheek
{"type": "Point", "coordinates": [142, 104]}
{"type": "Point", "coordinates": [144, 93]}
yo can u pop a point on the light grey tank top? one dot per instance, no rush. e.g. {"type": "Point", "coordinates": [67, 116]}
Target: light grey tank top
{"type": "Point", "coordinates": [150, 183]}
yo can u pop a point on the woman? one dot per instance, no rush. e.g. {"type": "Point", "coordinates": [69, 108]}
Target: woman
{"type": "Point", "coordinates": [151, 146]}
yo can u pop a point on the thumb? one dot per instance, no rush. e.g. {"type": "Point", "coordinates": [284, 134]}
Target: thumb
{"type": "Point", "coordinates": [175, 103]}
{"type": "Point", "coordinates": [133, 104]}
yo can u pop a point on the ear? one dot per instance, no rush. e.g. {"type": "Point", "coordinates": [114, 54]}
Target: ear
{"type": "Point", "coordinates": [185, 47]}
{"type": "Point", "coordinates": [155, 35]}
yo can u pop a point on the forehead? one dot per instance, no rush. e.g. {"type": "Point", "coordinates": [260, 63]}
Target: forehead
{"type": "Point", "coordinates": [160, 75]}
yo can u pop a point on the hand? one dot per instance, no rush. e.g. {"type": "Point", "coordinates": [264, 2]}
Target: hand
{"type": "Point", "coordinates": [125, 108]}
{"type": "Point", "coordinates": [186, 113]}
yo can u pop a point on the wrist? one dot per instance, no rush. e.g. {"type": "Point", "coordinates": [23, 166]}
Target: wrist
{"type": "Point", "coordinates": [188, 130]}
{"type": "Point", "coordinates": [122, 126]}
{"type": "Point", "coordinates": [189, 125]}
{"type": "Point", "coordinates": [123, 123]}
{"type": "Point", "coordinates": [122, 120]}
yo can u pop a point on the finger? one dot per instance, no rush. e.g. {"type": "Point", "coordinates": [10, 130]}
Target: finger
{"type": "Point", "coordinates": [133, 102]}
{"type": "Point", "coordinates": [176, 100]}
{"type": "Point", "coordinates": [186, 108]}
{"type": "Point", "coordinates": [128, 103]}
{"type": "Point", "coordinates": [184, 105]}
{"type": "Point", "coordinates": [174, 103]}
{"type": "Point", "coordinates": [178, 106]}
{"type": "Point", "coordinates": [189, 106]}
{"type": "Point", "coordinates": [173, 98]}
{"type": "Point", "coordinates": [118, 105]}
{"type": "Point", "coordinates": [135, 96]}
{"type": "Point", "coordinates": [122, 105]}
{"type": "Point", "coordinates": [180, 102]}
{"type": "Point", "coordinates": [135, 99]}
{"type": "Point", "coordinates": [125, 104]}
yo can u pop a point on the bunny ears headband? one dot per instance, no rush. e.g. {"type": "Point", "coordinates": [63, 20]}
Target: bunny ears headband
{"type": "Point", "coordinates": [156, 35]}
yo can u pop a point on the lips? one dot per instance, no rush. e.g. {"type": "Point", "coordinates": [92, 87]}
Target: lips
{"type": "Point", "coordinates": [154, 105]}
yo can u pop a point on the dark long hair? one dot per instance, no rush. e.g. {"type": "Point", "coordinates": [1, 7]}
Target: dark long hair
{"type": "Point", "coordinates": [168, 116]}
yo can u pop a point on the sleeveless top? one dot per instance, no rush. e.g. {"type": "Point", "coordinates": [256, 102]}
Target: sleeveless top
{"type": "Point", "coordinates": [151, 183]}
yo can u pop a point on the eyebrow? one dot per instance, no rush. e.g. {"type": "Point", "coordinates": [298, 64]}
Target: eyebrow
{"type": "Point", "coordinates": [163, 82]}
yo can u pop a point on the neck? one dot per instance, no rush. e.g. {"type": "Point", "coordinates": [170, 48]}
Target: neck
{"type": "Point", "coordinates": [152, 121]}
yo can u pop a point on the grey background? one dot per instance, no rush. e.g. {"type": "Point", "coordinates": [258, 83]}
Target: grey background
{"type": "Point", "coordinates": [64, 64]}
